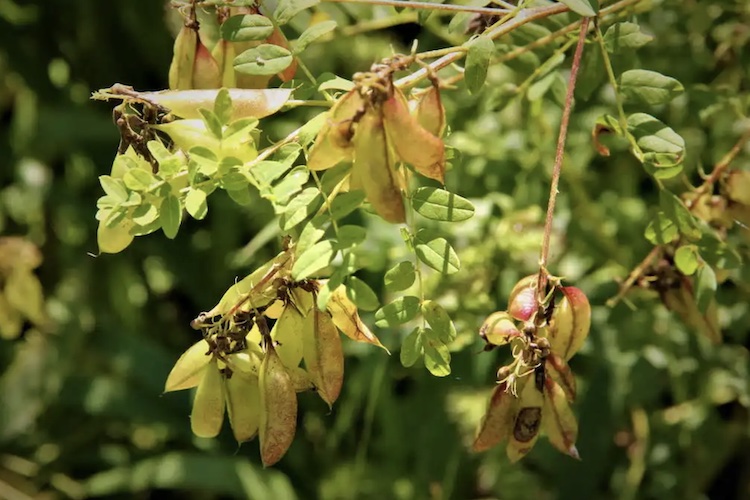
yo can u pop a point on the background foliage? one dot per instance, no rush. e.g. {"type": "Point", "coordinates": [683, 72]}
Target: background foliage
{"type": "Point", "coordinates": [662, 413]}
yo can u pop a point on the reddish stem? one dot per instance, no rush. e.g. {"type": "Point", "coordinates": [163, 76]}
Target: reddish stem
{"type": "Point", "coordinates": [557, 168]}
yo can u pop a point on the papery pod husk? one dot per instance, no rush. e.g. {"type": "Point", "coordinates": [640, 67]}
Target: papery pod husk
{"type": "Point", "coordinates": [294, 323]}
{"type": "Point", "coordinates": [246, 362]}
{"type": "Point", "coordinates": [412, 143]}
{"type": "Point", "coordinates": [682, 301]}
{"type": "Point", "coordinates": [187, 372]}
{"type": "Point", "coordinates": [559, 421]}
{"type": "Point", "coordinates": [559, 370]}
{"type": "Point", "coordinates": [346, 318]}
{"type": "Point", "coordinates": [497, 422]}
{"type": "Point", "coordinates": [301, 379]}
{"type": "Point", "coordinates": [183, 59]}
{"type": "Point", "coordinates": [374, 168]}
{"type": "Point", "coordinates": [278, 403]}
{"type": "Point", "coordinates": [207, 416]}
{"type": "Point", "coordinates": [206, 71]}
{"type": "Point", "coordinates": [430, 113]}
{"type": "Point", "coordinates": [324, 357]}
{"type": "Point", "coordinates": [527, 420]}
{"type": "Point", "coordinates": [499, 329]}
{"type": "Point", "coordinates": [246, 103]}
{"type": "Point", "coordinates": [224, 54]}
{"type": "Point", "coordinates": [333, 143]}
{"type": "Point", "coordinates": [243, 405]}
{"type": "Point", "coordinates": [188, 133]}
{"type": "Point", "coordinates": [570, 322]}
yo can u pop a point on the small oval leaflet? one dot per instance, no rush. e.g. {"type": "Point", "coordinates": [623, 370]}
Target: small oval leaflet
{"type": "Point", "coordinates": [442, 205]}
{"type": "Point", "coordinates": [246, 28]}
{"type": "Point", "coordinates": [436, 253]}
{"type": "Point", "coordinates": [265, 59]}
{"type": "Point", "coordinates": [397, 312]}
{"type": "Point", "coordinates": [313, 260]}
{"type": "Point", "coordinates": [170, 214]}
{"type": "Point", "coordinates": [412, 348]}
{"type": "Point", "coordinates": [649, 87]}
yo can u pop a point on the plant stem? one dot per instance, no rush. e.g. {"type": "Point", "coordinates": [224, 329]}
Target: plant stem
{"type": "Point", "coordinates": [634, 275]}
{"type": "Point", "coordinates": [724, 163]}
{"type": "Point", "coordinates": [426, 5]}
{"type": "Point", "coordinates": [559, 153]}
{"type": "Point", "coordinates": [379, 24]}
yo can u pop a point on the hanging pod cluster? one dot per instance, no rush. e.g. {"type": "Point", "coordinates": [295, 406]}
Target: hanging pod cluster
{"type": "Point", "coordinates": [373, 127]}
{"type": "Point", "coordinates": [199, 62]}
{"type": "Point", "coordinates": [262, 343]}
{"type": "Point", "coordinates": [535, 390]}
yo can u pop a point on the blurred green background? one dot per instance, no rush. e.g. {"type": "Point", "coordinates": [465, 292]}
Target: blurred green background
{"type": "Point", "coordinates": [662, 413]}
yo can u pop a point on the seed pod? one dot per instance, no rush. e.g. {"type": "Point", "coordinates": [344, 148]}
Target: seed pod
{"type": "Point", "coordinates": [188, 371]}
{"type": "Point", "coordinates": [224, 54]}
{"type": "Point", "coordinates": [208, 406]}
{"type": "Point", "coordinates": [278, 403]}
{"type": "Point", "coordinates": [346, 318]}
{"type": "Point", "coordinates": [559, 421]}
{"type": "Point", "coordinates": [374, 168]}
{"type": "Point", "coordinates": [324, 357]}
{"type": "Point", "coordinates": [570, 323]}
{"type": "Point", "coordinates": [289, 331]}
{"type": "Point", "coordinates": [413, 144]}
{"type": "Point", "coordinates": [527, 421]}
{"type": "Point", "coordinates": [301, 380]}
{"type": "Point", "coordinates": [738, 186]}
{"type": "Point", "coordinates": [498, 419]}
{"type": "Point", "coordinates": [206, 71]}
{"type": "Point", "coordinates": [245, 102]}
{"type": "Point", "coordinates": [523, 304]}
{"type": "Point", "coordinates": [278, 38]}
{"type": "Point", "coordinates": [333, 143]}
{"type": "Point", "coordinates": [499, 329]}
{"type": "Point", "coordinates": [183, 59]}
{"type": "Point", "coordinates": [246, 362]}
{"type": "Point", "coordinates": [430, 112]}
{"type": "Point", "coordinates": [560, 372]}
{"type": "Point", "coordinates": [243, 405]}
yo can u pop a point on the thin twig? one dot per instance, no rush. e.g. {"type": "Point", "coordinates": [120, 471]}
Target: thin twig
{"type": "Point", "coordinates": [426, 5]}
{"type": "Point", "coordinates": [636, 273]}
{"type": "Point", "coordinates": [724, 163]}
{"type": "Point", "coordinates": [557, 168]}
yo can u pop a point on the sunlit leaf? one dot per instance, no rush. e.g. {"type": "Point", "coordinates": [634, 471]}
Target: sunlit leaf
{"type": "Point", "coordinates": [397, 312]}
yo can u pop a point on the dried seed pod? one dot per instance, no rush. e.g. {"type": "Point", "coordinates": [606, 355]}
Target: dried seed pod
{"type": "Point", "coordinates": [289, 331]}
{"type": "Point", "coordinates": [498, 419]}
{"type": "Point", "coordinates": [324, 356]}
{"type": "Point", "coordinates": [374, 168]}
{"type": "Point", "coordinates": [183, 59]}
{"type": "Point", "coordinates": [207, 416]}
{"type": "Point", "coordinates": [255, 103]}
{"type": "Point", "coordinates": [570, 323]}
{"type": "Point", "coordinates": [206, 71]}
{"type": "Point", "coordinates": [558, 369]}
{"type": "Point", "coordinates": [278, 404]}
{"type": "Point", "coordinates": [527, 422]}
{"type": "Point", "coordinates": [412, 143]}
{"type": "Point", "coordinates": [430, 112]}
{"type": "Point", "coordinates": [333, 143]}
{"type": "Point", "coordinates": [559, 421]}
{"type": "Point", "coordinates": [224, 54]}
{"type": "Point", "coordinates": [346, 318]}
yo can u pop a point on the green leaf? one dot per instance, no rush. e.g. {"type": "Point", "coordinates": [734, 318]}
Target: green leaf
{"type": "Point", "coordinates": [654, 136]}
{"type": "Point", "coordinates": [265, 59]}
{"type": "Point", "coordinates": [400, 277]}
{"type": "Point", "coordinates": [233, 181]}
{"type": "Point", "coordinates": [170, 214]}
{"type": "Point", "coordinates": [705, 287]}
{"type": "Point", "coordinates": [312, 232]}
{"type": "Point", "coordinates": [361, 294]}
{"type": "Point", "coordinates": [350, 236]}
{"type": "Point", "coordinates": [437, 357]}
{"type": "Point", "coordinates": [399, 311]}
{"type": "Point", "coordinates": [345, 203]}
{"type": "Point", "coordinates": [241, 196]}
{"type": "Point", "coordinates": [265, 172]}
{"type": "Point", "coordinates": [212, 122]}
{"type": "Point", "coordinates": [246, 28]}
{"type": "Point", "coordinates": [159, 152]}
{"type": "Point", "coordinates": [678, 212]}
{"type": "Point", "coordinates": [195, 204]}
{"type": "Point", "coordinates": [287, 9]}
{"type": "Point", "coordinates": [625, 36]}
{"type": "Point", "coordinates": [686, 258]}
{"type": "Point", "coordinates": [114, 188]}
{"type": "Point", "coordinates": [436, 252]}
{"type": "Point", "coordinates": [290, 185]}
{"type": "Point", "coordinates": [336, 83]}
{"type": "Point", "coordinates": [313, 260]}
{"type": "Point", "coordinates": [478, 56]}
{"type": "Point", "coordinates": [439, 320]}
{"type": "Point", "coordinates": [661, 230]}
{"type": "Point", "coordinates": [439, 204]}
{"type": "Point", "coordinates": [223, 107]}
{"type": "Point", "coordinates": [138, 179]}
{"type": "Point", "coordinates": [649, 87]}
{"type": "Point", "coordinates": [205, 159]}
{"type": "Point", "coordinates": [239, 130]}
{"type": "Point", "coordinates": [412, 348]}
{"type": "Point", "coordinates": [300, 208]}
{"type": "Point", "coordinates": [311, 34]}
{"type": "Point", "coordinates": [145, 214]}
{"type": "Point", "coordinates": [585, 8]}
